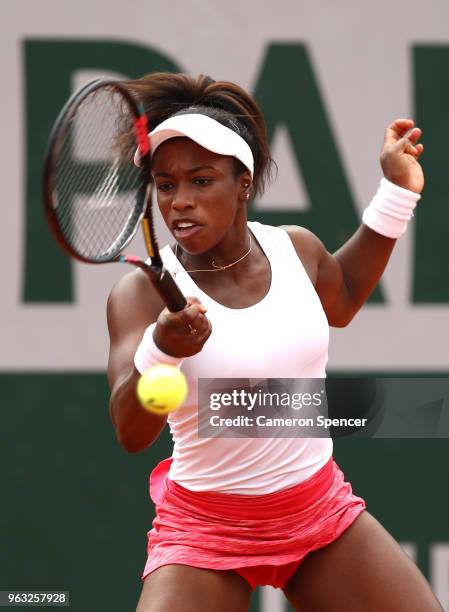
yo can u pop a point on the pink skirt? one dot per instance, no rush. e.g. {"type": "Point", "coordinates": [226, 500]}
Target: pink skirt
{"type": "Point", "coordinates": [262, 537]}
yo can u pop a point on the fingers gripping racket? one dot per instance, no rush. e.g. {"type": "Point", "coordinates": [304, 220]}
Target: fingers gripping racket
{"type": "Point", "coordinates": [94, 195]}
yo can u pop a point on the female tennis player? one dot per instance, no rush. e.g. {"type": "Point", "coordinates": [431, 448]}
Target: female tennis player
{"type": "Point", "coordinates": [234, 513]}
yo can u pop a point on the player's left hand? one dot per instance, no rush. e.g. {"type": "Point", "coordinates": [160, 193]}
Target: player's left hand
{"type": "Point", "coordinates": [400, 155]}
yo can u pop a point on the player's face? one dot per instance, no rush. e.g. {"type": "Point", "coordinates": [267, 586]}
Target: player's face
{"type": "Point", "coordinates": [198, 192]}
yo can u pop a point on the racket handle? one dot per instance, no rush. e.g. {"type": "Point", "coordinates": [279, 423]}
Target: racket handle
{"type": "Point", "coordinates": [163, 283]}
{"type": "Point", "coordinates": [170, 292]}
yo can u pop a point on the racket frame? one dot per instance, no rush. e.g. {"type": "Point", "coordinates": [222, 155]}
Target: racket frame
{"type": "Point", "coordinates": [160, 277]}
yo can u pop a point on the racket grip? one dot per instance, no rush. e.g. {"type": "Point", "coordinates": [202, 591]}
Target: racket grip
{"type": "Point", "coordinates": [170, 292]}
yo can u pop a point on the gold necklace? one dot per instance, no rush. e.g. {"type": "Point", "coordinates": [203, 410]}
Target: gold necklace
{"type": "Point", "coordinates": [215, 268]}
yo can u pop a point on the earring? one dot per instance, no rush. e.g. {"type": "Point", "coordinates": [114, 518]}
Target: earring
{"type": "Point", "coordinates": [246, 187]}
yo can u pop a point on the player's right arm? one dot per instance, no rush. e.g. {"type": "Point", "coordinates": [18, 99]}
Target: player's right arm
{"type": "Point", "coordinates": [132, 306]}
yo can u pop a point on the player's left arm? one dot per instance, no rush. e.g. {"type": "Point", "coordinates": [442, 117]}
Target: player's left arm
{"type": "Point", "coordinates": [344, 280]}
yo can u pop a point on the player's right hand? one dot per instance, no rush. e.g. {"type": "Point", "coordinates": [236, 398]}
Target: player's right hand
{"type": "Point", "coordinates": [183, 333]}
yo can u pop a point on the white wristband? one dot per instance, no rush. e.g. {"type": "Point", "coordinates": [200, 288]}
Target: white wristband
{"type": "Point", "coordinates": [148, 354]}
{"type": "Point", "coordinates": [390, 209]}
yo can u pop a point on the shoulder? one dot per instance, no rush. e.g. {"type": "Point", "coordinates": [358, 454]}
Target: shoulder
{"type": "Point", "coordinates": [133, 285]}
{"type": "Point", "coordinates": [133, 298]}
{"type": "Point", "coordinates": [303, 239]}
{"type": "Point", "coordinates": [308, 247]}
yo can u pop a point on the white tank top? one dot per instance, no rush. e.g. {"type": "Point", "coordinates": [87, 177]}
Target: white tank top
{"type": "Point", "coordinates": [285, 335]}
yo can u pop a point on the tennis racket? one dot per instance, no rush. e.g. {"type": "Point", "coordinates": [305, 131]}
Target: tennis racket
{"type": "Point", "coordinates": [95, 196]}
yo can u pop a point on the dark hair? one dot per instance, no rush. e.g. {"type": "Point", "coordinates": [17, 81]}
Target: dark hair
{"type": "Point", "coordinates": [164, 94]}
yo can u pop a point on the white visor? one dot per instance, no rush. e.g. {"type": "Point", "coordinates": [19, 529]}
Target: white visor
{"type": "Point", "coordinates": [206, 132]}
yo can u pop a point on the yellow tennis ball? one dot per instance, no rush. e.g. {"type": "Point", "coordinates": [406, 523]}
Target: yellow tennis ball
{"type": "Point", "coordinates": [162, 389]}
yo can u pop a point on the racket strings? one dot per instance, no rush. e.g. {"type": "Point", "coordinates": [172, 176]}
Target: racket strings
{"type": "Point", "coordinates": [96, 183]}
